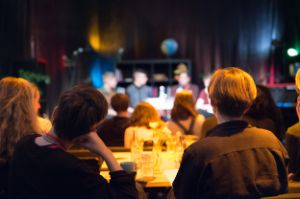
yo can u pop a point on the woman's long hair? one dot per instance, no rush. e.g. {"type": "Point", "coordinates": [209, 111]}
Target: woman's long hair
{"type": "Point", "coordinates": [143, 114]}
{"type": "Point", "coordinates": [17, 115]}
{"type": "Point", "coordinates": [184, 106]}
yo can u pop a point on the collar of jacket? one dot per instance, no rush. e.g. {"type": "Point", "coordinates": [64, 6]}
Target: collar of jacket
{"type": "Point", "coordinates": [228, 128]}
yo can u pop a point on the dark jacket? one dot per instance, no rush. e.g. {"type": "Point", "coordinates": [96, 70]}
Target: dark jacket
{"type": "Point", "coordinates": [112, 130]}
{"type": "Point", "coordinates": [4, 168]}
{"type": "Point", "coordinates": [45, 172]}
{"type": "Point", "coordinates": [233, 161]}
{"type": "Point", "coordinates": [293, 146]}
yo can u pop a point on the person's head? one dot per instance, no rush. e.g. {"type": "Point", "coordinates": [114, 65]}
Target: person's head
{"type": "Point", "coordinates": [184, 78]}
{"type": "Point", "coordinates": [17, 114]}
{"type": "Point", "coordinates": [143, 114]}
{"type": "Point", "coordinates": [297, 81]}
{"type": "Point", "coordinates": [263, 105]}
{"type": "Point", "coordinates": [36, 97]}
{"type": "Point", "coordinates": [78, 112]}
{"type": "Point", "coordinates": [110, 80]}
{"type": "Point", "coordinates": [139, 77]}
{"type": "Point", "coordinates": [120, 102]}
{"type": "Point", "coordinates": [232, 91]}
{"type": "Point", "coordinates": [184, 106]}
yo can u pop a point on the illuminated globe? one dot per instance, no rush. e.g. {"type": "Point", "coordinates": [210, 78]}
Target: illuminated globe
{"type": "Point", "coordinates": [169, 47]}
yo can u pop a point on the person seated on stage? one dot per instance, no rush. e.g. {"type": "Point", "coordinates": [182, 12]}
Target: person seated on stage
{"type": "Point", "coordinates": [138, 91]}
{"type": "Point", "coordinates": [235, 160]}
{"type": "Point", "coordinates": [44, 123]}
{"type": "Point", "coordinates": [203, 101]}
{"type": "Point", "coordinates": [184, 82]}
{"type": "Point", "coordinates": [18, 118]}
{"type": "Point", "coordinates": [184, 116]}
{"type": "Point", "coordinates": [112, 130]}
{"type": "Point", "coordinates": [109, 86]}
{"type": "Point", "coordinates": [42, 168]}
{"type": "Point", "coordinates": [264, 114]}
{"type": "Point", "coordinates": [292, 139]}
{"type": "Point", "coordinates": [141, 124]}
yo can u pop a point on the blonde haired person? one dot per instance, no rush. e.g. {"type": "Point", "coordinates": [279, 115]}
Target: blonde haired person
{"type": "Point", "coordinates": [141, 119]}
{"type": "Point", "coordinates": [235, 160]}
{"type": "Point", "coordinates": [292, 138]}
{"type": "Point", "coordinates": [18, 118]}
{"type": "Point", "coordinates": [44, 123]}
{"type": "Point", "coordinates": [184, 116]}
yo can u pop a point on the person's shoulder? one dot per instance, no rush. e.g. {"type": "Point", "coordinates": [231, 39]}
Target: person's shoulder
{"type": "Point", "coordinates": [260, 132]}
{"type": "Point", "coordinates": [200, 117]}
{"type": "Point", "coordinates": [262, 137]}
{"type": "Point", "coordinates": [62, 161]}
{"type": "Point", "coordinates": [26, 140]}
{"type": "Point", "coordinates": [294, 130]}
{"type": "Point", "coordinates": [203, 148]}
{"type": "Point", "coordinates": [129, 87]}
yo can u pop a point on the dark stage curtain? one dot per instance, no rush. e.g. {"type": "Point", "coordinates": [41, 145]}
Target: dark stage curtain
{"type": "Point", "coordinates": [212, 34]}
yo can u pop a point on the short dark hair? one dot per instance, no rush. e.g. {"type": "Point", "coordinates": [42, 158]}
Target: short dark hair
{"type": "Point", "coordinates": [78, 111]}
{"type": "Point", "coordinates": [119, 102]}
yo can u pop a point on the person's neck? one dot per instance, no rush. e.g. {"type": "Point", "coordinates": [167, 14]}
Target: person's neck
{"type": "Point", "coordinates": [67, 144]}
{"type": "Point", "coordinates": [123, 114]}
{"type": "Point", "coordinates": [223, 118]}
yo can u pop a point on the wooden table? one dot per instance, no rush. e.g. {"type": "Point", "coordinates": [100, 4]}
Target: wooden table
{"type": "Point", "coordinates": [167, 164]}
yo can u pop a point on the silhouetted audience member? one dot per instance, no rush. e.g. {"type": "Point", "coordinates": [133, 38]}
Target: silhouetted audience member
{"type": "Point", "coordinates": [18, 118]}
{"type": "Point", "coordinates": [42, 168]}
{"type": "Point", "coordinates": [112, 130]}
{"type": "Point", "coordinates": [235, 160]}
{"type": "Point", "coordinates": [264, 113]}
{"type": "Point", "coordinates": [293, 139]}
{"type": "Point", "coordinates": [138, 91]}
{"type": "Point", "coordinates": [184, 116]}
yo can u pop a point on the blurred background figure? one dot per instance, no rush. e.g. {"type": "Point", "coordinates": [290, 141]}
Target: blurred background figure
{"type": "Point", "coordinates": [140, 127]}
{"type": "Point", "coordinates": [111, 130]}
{"type": "Point", "coordinates": [18, 118]}
{"type": "Point", "coordinates": [138, 91]}
{"type": "Point", "coordinates": [44, 123]}
{"type": "Point", "coordinates": [184, 81]}
{"type": "Point", "coordinates": [184, 116]}
{"type": "Point", "coordinates": [293, 139]}
{"type": "Point", "coordinates": [109, 85]}
{"type": "Point", "coordinates": [203, 101]}
{"type": "Point", "coordinates": [264, 113]}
